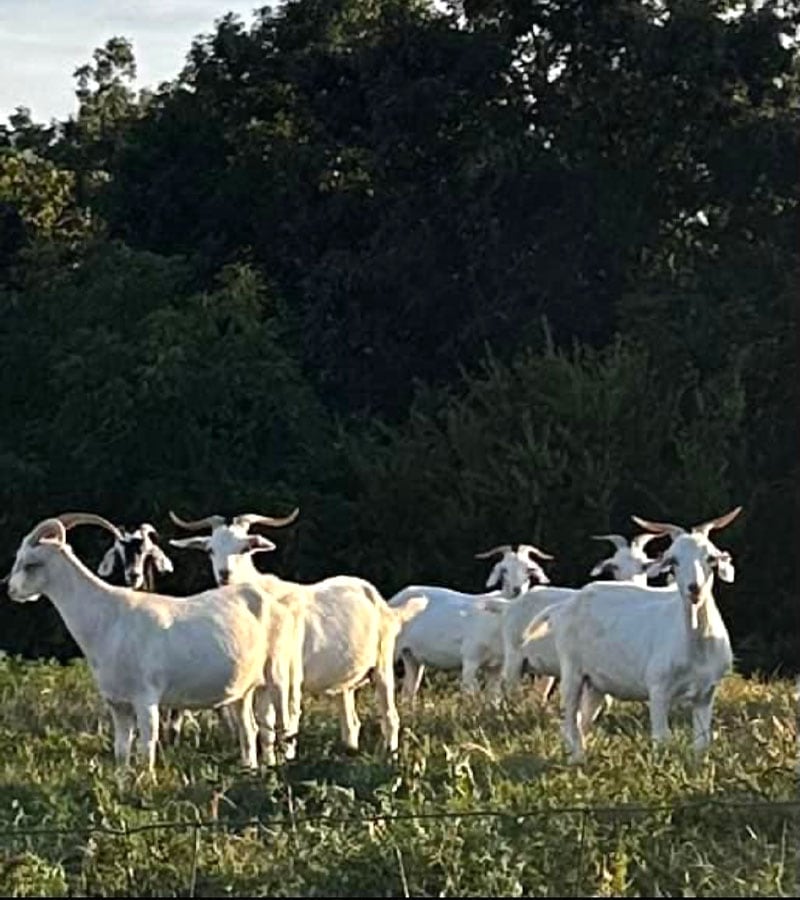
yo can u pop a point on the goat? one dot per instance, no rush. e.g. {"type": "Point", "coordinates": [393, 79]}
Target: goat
{"type": "Point", "coordinates": [665, 645]}
{"type": "Point", "coordinates": [486, 631]}
{"type": "Point", "coordinates": [629, 561]}
{"type": "Point", "coordinates": [350, 631]}
{"type": "Point", "coordinates": [134, 559]}
{"type": "Point", "coordinates": [457, 630]}
{"type": "Point", "coordinates": [147, 650]}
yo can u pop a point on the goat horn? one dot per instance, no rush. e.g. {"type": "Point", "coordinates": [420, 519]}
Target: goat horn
{"type": "Point", "coordinates": [616, 539]}
{"type": "Point", "coordinates": [536, 551]}
{"type": "Point", "coordinates": [659, 527]}
{"type": "Point", "coordinates": [719, 522]}
{"type": "Point", "coordinates": [70, 520]}
{"type": "Point", "coordinates": [503, 548]}
{"type": "Point", "coordinates": [249, 519]}
{"type": "Point", "coordinates": [197, 524]}
{"type": "Point", "coordinates": [47, 527]}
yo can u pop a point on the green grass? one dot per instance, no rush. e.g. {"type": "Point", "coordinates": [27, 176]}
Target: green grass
{"type": "Point", "coordinates": [715, 830]}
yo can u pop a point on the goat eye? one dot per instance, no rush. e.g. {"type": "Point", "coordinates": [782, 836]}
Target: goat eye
{"type": "Point", "coordinates": [31, 565]}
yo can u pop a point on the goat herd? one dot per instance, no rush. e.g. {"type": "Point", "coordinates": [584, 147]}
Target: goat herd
{"type": "Point", "coordinates": [252, 645]}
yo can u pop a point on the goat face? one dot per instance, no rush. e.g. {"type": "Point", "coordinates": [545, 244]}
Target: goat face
{"type": "Point", "coordinates": [29, 575]}
{"type": "Point", "coordinates": [517, 571]}
{"type": "Point", "coordinates": [692, 560]}
{"type": "Point", "coordinates": [626, 564]}
{"type": "Point", "coordinates": [629, 562]}
{"type": "Point", "coordinates": [131, 554]}
{"type": "Point", "coordinates": [229, 548]}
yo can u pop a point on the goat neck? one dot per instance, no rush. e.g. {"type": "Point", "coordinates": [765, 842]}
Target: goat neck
{"type": "Point", "coordinates": [88, 605]}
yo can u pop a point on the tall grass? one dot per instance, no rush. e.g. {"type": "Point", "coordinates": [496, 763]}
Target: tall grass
{"type": "Point", "coordinates": [333, 824]}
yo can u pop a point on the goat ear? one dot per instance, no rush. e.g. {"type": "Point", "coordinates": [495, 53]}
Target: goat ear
{"type": "Point", "coordinates": [538, 576]}
{"type": "Point", "coordinates": [107, 563]}
{"type": "Point", "coordinates": [494, 575]}
{"type": "Point", "coordinates": [725, 568]}
{"type": "Point", "coordinates": [258, 543]}
{"type": "Point", "coordinates": [597, 570]}
{"type": "Point", "coordinates": [161, 561]}
{"type": "Point", "coordinates": [657, 566]}
{"type": "Point", "coordinates": [192, 543]}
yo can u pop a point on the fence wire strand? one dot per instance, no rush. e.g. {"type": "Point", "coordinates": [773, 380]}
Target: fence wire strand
{"type": "Point", "coordinates": [618, 812]}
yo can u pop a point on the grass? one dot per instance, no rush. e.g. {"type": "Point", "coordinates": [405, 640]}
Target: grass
{"type": "Point", "coordinates": [659, 824]}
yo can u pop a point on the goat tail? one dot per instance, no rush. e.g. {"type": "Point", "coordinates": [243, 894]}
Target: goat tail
{"type": "Point", "coordinates": [409, 609]}
{"type": "Point", "coordinates": [540, 626]}
{"type": "Point", "coordinates": [373, 594]}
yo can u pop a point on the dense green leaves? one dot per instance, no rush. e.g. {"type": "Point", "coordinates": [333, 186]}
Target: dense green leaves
{"type": "Point", "coordinates": [442, 280]}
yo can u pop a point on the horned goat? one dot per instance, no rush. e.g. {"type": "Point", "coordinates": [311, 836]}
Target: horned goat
{"type": "Point", "coordinates": [134, 559]}
{"type": "Point", "coordinates": [665, 645]}
{"type": "Point", "coordinates": [458, 630]}
{"type": "Point", "coordinates": [350, 631]}
{"type": "Point", "coordinates": [629, 561]}
{"type": "Point", "coordinates": [147, 650]}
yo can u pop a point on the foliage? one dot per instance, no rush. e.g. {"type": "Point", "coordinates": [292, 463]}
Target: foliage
{"type": "Point", "coordinates": [442, 278]}
{"type": "Point", "coordinates": [456, 757]}
{"type": "Point", "coordinates": [551, 449]}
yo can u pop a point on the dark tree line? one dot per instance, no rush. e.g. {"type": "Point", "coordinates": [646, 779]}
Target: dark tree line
{"type": "Point", "coordinates": [506, 273]}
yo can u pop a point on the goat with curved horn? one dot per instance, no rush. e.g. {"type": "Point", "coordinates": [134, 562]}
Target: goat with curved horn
{"type": "Point", "coordinates": [248, 519]}
{"type": "Point", "coordinates": [142, 647]}
{"type": "Point", "coordinates": [197, 524]}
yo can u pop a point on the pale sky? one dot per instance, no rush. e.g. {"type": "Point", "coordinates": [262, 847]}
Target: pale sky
{"type": "Point", "coordinates": [42, 42]}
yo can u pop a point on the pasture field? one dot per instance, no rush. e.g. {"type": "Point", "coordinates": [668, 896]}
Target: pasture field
{"type": "Point", "coordinates": [626, 823]}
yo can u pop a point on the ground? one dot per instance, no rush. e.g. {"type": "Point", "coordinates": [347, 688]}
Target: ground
{"type": "Point", "coordinates": [515, 820]}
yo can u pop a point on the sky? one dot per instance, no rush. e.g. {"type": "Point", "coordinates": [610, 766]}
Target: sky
{"type": "Point", "coordinates": [42, 42]}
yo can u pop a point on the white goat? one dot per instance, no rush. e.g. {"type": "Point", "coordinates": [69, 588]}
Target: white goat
{"type": "Point", "coordinates": [664, 645]}
{"type": "Point", "coordinates": [350, 631]}
{"type": "Point", "coordinates": [629, 561]}
{"type": "Point", "coordinates": [147, 650]}
{"type": "Point", "coordinates": [475, 632]}
{"type": "Point", "coordinates": [459, 630]}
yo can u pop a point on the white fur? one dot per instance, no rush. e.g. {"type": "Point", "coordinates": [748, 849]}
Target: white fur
{"type": "Point", "coordinates": [484, 632]}
{"type": "Point", "coordinates": [147, 650]}
{"type": "Point", "coordinates": [350, 631]}
{"type": "Point", "coordinates": [664, 645]}
{"type": "Point", "coordinates": [629, 561]}
{"type": "Point", "coordinates": [124, 565]}
{"type": "Point", "coordinates": [462, 631]}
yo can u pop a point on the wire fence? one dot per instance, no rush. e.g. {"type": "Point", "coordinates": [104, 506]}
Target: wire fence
{"type": "Point", "coordinates": [786, 813]}
{"type": "Point", "coordinates": [616, 812]}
